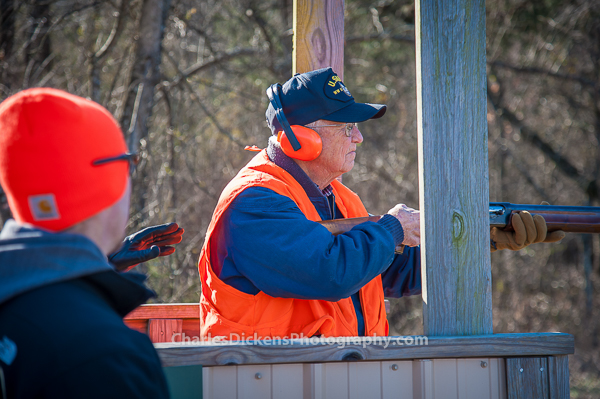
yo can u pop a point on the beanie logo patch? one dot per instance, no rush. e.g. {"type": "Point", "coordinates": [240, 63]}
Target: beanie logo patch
{"type": "Point", "coordinates": [43, 207]}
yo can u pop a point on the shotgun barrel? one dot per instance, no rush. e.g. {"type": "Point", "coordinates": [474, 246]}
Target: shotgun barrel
{"type": "Point", "coordinates": [570, 219]}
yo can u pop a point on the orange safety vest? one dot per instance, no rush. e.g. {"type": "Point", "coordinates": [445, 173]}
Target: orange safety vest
{"type": "Point", "coordinates": [228, 313]}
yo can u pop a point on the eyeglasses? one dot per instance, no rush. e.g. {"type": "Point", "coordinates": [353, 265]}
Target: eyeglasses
{"type": "Point", "coordinates": [130, 157]}
{"type": "Point", "coordinates": [348, 127]}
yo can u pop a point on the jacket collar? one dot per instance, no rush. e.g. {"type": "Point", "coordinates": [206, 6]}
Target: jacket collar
{"type": "Point", "coordinates": [278, 157]}
{"type": "Point", "coordinates": [31, 258]}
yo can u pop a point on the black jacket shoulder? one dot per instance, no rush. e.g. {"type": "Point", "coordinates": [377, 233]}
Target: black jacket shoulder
{"type": "Point", "coordinates": [71, 342]}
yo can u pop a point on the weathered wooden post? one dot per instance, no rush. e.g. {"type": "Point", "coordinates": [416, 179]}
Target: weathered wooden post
{"type": "Point", "coordinates": [453, 167]}
{"type": "Point", "coordinates": [318, 36]}
{"type": "Point", "coordinates": [454, 191]}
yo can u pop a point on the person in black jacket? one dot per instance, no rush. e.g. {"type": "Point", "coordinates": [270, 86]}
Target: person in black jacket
{"type": "Point", "coordinates": [65, 169]}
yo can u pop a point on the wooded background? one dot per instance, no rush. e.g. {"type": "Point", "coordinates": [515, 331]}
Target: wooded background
{"type": "Point", "coordinates": [187, 79]}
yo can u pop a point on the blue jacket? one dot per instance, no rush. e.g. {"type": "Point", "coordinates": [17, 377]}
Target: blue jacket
{"type": "Point", "coordinates": [61, 328]}
{"type": "Point", "coordinates": [263, 244]}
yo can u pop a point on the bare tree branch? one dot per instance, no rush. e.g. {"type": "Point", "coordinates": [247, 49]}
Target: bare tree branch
{"type": "Point", "coordinates": [380, 36]}
{"type": "Point", "coordinates": [114, 33]}
{"type": "Point", "coordinates": [8, 11]}
{"type": "Point", "coordinates": [563, 164]}
{"type": "Point", "coordinates": [200, 32]}
{"type": "Point", "coordinates": [182, 75]}
{"type": "Point", "coordinates": [97, 57]}
{"type": "Point", "coordinates": [523, 170]}
{"type": "Point", "coordinates": [254, 16]}
{"type": "Point", "coordinates": [42, 66]}
{"type": "Point", "coordinates": [115, 78]}
{"type": "Point", "coordinates": [540, 71]}
{"type": "Point", "coordinates": [53, 26]}
{"type": "Point", "coordinates": [196, 98]}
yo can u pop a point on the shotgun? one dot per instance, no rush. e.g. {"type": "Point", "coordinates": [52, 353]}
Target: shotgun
{"type": "Point", "coordinates": [570, 219]}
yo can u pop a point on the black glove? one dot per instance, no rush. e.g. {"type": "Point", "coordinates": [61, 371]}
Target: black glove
{"type": "Point", "coordinates": [146, 244]}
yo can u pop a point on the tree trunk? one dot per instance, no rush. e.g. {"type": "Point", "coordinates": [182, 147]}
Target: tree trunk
{"type": "Point", "coordinates": [39, 49]}
{"type": "Point", "coordinates": [96, 58]}
{"type": "Point", "coordinates": [7, 27]}
{"type": "Point", "coordinates": [145, 74]}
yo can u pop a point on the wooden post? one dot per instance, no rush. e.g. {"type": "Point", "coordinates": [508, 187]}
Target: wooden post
{"type": "Point", "coordinates": [453, 167]}
{"type": "Point", "coordinates": [318, 36]}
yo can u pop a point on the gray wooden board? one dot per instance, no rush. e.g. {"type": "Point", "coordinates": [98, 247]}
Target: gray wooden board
{"type": "Point", "coordinates": [453, 166]}
{"type": "Point", "coordinates": [295, 351]}
{"type": "Point", "coordinates": [527, 377]}
{"type": "Point", "coordinates": [538, 377]}
{"type": "Point", "coordinates": [558, 376]}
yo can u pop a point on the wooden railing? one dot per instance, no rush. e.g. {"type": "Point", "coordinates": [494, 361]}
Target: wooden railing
{"type": "Point", "coordinates": [506, 365]}
{"type": "Point", "coordinates": [365, 348]}
{"type": "Point", "coordinates": [166, 322]}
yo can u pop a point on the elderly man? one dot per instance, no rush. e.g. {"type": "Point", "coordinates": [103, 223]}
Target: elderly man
{"type": "Point", "coordinates": [65, 169]}
{"type": "Point", "coordinates": [268, 269]}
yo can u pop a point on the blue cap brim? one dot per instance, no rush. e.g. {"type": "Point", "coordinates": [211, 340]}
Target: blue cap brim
{"type": "Point", "coordinates": [357, 112]}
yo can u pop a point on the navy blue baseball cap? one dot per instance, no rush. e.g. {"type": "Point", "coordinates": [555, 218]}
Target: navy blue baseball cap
{"type": "Point", "coordinates": [320, 94]}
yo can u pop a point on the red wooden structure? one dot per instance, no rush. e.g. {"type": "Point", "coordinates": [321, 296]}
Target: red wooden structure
{"type": "Point", "coordinates": [175, 322]}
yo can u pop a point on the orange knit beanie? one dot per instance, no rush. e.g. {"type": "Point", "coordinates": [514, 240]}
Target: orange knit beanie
{"type": "Point", "coordinates": [48, 141]}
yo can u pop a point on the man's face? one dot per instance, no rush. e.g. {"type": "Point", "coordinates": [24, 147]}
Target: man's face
{"type": "Point", "coordinates": [339, 149]}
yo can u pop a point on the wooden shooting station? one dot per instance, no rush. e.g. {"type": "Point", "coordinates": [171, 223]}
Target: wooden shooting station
{"type": "Point", "coordinates": [462, 358]}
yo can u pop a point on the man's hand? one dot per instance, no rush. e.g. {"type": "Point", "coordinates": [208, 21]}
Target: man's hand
{"type": "Point", "coordinates": [146, 244]}
{"type": "Point", "coordinates": [527, 230]}
{"type": "Point", "coordinates": [411, 224]}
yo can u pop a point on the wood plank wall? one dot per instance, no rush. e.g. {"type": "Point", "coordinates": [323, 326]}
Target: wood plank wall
{"type": "Point", "coordinates": [538, 377]}
{"type": "Point", "coordinates": [454, 379]}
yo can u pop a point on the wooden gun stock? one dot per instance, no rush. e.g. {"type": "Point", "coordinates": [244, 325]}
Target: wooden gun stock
{"type": "Point", "coordinates": [570, 219]}
{"type": "Point", "coordinates": [339, 226]}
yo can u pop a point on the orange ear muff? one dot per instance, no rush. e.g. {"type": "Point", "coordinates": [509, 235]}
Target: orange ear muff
{"type": "Point", "coordinates": [309, 140]}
